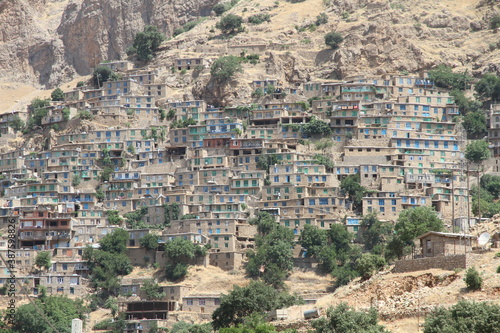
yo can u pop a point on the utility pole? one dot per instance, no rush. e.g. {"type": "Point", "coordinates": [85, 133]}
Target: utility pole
{"type": "Point", "coordinates": [468, 196]}
{"type": "Point", "coordinates": [452, 197]}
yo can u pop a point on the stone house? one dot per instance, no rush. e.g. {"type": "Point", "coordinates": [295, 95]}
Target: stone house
{"type": "Point", "coordinates": [435, 244]}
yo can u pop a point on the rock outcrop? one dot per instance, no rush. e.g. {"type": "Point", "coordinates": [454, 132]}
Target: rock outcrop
{"type": "Point", "coordinates": [47, 42]}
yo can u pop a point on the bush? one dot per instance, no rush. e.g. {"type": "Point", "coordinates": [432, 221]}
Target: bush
{"type": "Point", "coordinates": [258, 92]}
{"type": "Point", "coordinates": [495, 22]}
{"type": "Point", "coordinates": [259, 18]}
{"type": "Point", "coordinates": [498, 269]}
{"type": "Point", "coordinates": [473, 280]}
{"type": "Point", "coordinates": [229, 23]}
{"type": "Point", "coordinates": [333, 39]}
{"type": "Point", "coordinates": [321, 19]}
{"type": "Point", "coordinates": [219, 9]}
{"type": "Point", "coordinates": [345, 319]}
{"type": "Point", "coordinates": [102, 74]}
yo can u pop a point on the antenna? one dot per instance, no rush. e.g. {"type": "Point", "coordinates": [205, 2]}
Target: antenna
{"type": "Point", "coordinates": [483, 238]}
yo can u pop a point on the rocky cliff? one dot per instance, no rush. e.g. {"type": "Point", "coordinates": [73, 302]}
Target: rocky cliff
{"type": "Point", "coordinates": [47, 42]}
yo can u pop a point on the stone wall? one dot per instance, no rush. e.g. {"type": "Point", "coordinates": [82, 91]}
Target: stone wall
{"type": "Point", "coordinates": [459, 261]}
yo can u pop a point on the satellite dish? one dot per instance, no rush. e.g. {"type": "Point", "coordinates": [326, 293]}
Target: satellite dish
{"type": "Point", "coordinates": [483, 238]}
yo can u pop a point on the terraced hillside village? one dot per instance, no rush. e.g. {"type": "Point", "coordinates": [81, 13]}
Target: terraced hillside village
{"type": "Point", "coordinates": [250, 165]}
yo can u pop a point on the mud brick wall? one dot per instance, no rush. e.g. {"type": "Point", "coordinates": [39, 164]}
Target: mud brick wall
{"type": "Point", "coordinates": [453, 262]}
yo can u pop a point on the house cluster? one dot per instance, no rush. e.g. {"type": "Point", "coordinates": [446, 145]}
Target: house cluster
{"type": "Point", "coordinates": [198, 171]}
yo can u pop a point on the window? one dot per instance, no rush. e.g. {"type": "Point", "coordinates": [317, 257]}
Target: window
{"type": "Point", "coordinates": [189, 302]}
{"type": "Point", "coordinates": [201, 301]}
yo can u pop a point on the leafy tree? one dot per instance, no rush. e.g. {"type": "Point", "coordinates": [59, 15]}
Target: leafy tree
{"type": "Point", "coordinates": [324, 160]}
{"type": "Point", "coordinates": [229, 23]}
{"type": "Point", "coordinates": [444, 77]}
{"type": "Point", "coordinates": [150, 242]}
{"type": "Point", "coordinates": [272, 259]}
{"type": "Point", "coordinates": [112, 304]}
{"type": "Point", "coordinates": [219, 9]}
{"type": "Point", "coordinates": [473, 280]}
{"type": "Point", "coordinates": [37, 110]}
{"type": "Point", "coordinates": [414, 222]}
{"type": "Point", "coordinates": [66, 112]}
{"type": "Point", "coordinates": [152, 290]}
{"type": "Point", "coordinates": [465, 316]}
{"type": "Point", "coordinates": [57, 95]}
{"type": "Point", "coordinates": [488, 88]}
{"type": "Point", "coordinates": [43, 260]}
{"type": "Point", "coordinates": [102, 74]}
{"type": "Point", "coordinates": [175, 271]}
{"type": "Point", "coordinates": [375, 233]}
{"type": "Point", "coordinates": [465, 104]}
{"type": "Point", "coordinates": [351, 185]}
{"type": "Point", "coordinates": [316, 127]}
{"type": "Point", "coordinates": [491, 183]}
{"type": "Point", "coordinates": [477, 151]}
{"type": "Point", "coordinates": [183, 327]}
{"type": "Point", "coordinates": [344, 319]}
{"type": "Point", "coordinates": [267, 160]}
{"type": "Point", "coordinates": [80, 84]}
{"type": "Point", "coordinates": [180, 252]}
{"type": "Point", "coordinates": [58, 312]}
{"type": "Point", "coordinates": [368, 264]}
{"type": "Point", "coordinates": [475, 125]}
{"type": "Point", "coordinates": [265, 223]}
{"type": "Point", "coordinates": [17, 124]}
{"type": "Point", "coordinates": [135, 218]}
{"type": "Point", "coordinates": [225, 68]}
{"type": "Point", "coordinates": [251, 324]}
{"type": "Point", "coordinates": [146, 43]}
{"type": "Point", "coordinates": [114, 217]}
{"type": "Point", "coordinates": [313, 240]}
{"type": "Point", "coordinates": [241, 302]}
{"type": "Point", "coordinates": [85, 115]}
{"type": "Point", "coordinates": [333, 40]}
{"type": "Point", "coordinates": [76, 180]}
{"type": "Point", "coordinates": [170, 213]}
{"type": "Point", "coordinates": [115, 242]}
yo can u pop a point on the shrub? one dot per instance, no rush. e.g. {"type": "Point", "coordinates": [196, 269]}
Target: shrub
{"type": "Point", "coordinates": [498, 269]}
{"type": "Point", "coordinates": [77, 179]}
{"type": "Point", "coordinates": [219, 9]}
{"type": "Point", "coordinates": [258, 92]}
{"type": "Point", "coordinates": [259, 18]}
{"type": "Point", "coordinates": [102, 74]}
{"type": "Point", "coordinates": [333, 39]}
{"type": "Point", "coordinates": [321, 19]}
{"type": "Point", "coordinates": [473, 280]}
{"type": "Point", "coordinates": [495, 22]}
{"type": "Point", "coordinates": [80, 84]}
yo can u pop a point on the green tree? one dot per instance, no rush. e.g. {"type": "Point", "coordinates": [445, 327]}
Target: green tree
{"type": "Point", "coordinates": [225, 68]}
{"type": "Point", "coordinates": [43, 260]}
{"type": "Point", "coordinates": [58, 312]}
{"type": "Point", "coordinates": [473, 280]}
{"type": "Point", "coordinates": [477, 151]}
{"type": "Point", "coordinates": [316, 127]}
{"type": "Point", "coordinates": [444, 77]}
{"type": "Point", "coordinates": [324, 160]}
{"type": "Point", "coordinates": [150, 242]}
{"type": "Point", "coordinates": [375, 233]}
{"type": "Point", "coordinates": [313, 240]}
{"type": "Point", "coordinates": [242, 302]}
{"type": "Point", "coordinates": [152, 290]}
{"type": "Point", "coordinates": [102, 74]}
{"type": "Point", "coordinates": [114, 217]}
{"type": "Point", "coordinates": [57, 95]}
{"type": "Point", "coordinates": [475, 125]}
{"type": "Point", "coordinates": [17, 124]}
{"type": "Point", "coordinates": [333, 40]}
{"type": "Point", "coordinates": [414, 222]}
{"type": "Point", "coordinates": [76, 180]}
{"type": "Point", "coordinates": [465, 316]}
{"type": "Point", "coordinates": [495, 22]}
{"type": "Point", "coordinates": [146, 43]}
{"type": "Point", "coordinates": [115, 242]}
{"type": "Point", "coordinates": [351, 185]}
{"type": "Point", "coordinates": [272, 259]}
{"type": "Point", "coordinates": [488, 87]}
{"type": "Point", "coordinates": [229, 23]}
{"type": "Point", "coordinates": [180, 252]}
{"type": "Point", "coordinates": [344, 319]}
{"type": "Point", "coordinates": [465, 104]}
{"type": "Point", "coordinates": [267, 160]}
